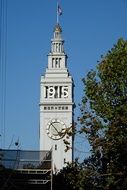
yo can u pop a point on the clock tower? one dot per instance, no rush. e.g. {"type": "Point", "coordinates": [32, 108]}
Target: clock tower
{"type": "Point", "coordinates": [56, 104]}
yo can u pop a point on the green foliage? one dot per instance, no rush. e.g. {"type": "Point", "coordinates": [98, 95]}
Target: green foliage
{"type": "Point", "coordinates": [66, 178]}
{"type": "Point", "coordinates": [104, 116]}
{"type": "Point", "coordinates": [73, 177]}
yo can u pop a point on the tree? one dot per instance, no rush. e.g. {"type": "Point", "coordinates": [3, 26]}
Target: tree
{"type": "Point", "coordinates": [73, 177]}
{"type": "Point", "coordinates": [67, 177]}
{"type": "Point", "coordinates": [104, 118]}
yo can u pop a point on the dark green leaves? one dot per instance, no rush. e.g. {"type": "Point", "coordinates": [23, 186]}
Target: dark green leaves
{"type": "Point", "coordinates": [104, 116]}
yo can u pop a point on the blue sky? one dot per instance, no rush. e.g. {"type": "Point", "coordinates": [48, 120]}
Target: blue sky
{"type": "Point", "coordinates": [90, 28]}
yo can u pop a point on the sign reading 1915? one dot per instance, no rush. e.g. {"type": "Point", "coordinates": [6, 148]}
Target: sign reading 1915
{"type": "Point", "coordinates": [56, 92]}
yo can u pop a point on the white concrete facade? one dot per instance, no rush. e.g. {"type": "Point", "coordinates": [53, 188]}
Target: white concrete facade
{"type": "Point", "coordinates": [56, 104]}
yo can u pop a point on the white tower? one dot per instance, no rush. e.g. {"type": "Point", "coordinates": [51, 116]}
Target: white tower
{"type": "Point", "coordinates": [56, 104]}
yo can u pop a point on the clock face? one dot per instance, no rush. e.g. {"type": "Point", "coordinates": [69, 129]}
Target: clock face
{"type": "Point", "coordinates": [56, 129]}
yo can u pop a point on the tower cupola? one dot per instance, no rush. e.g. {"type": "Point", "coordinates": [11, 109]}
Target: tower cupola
{"type": "Point", "coordinates": [57, 32]}
{"type": "Point", "coordinates": [57, 42]}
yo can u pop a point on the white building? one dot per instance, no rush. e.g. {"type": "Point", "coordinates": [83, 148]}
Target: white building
{"type": "Point", "coordinates": [56, 104]}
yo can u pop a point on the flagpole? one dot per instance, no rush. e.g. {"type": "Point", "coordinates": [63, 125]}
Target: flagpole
{"type": "Point", "coordinates": [57, 19]}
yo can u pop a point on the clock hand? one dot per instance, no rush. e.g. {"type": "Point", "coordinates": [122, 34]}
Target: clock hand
{"type": "Point", "coordinates": [59, 133]}
{"type": "Point", "coordinates": [55, 128]}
